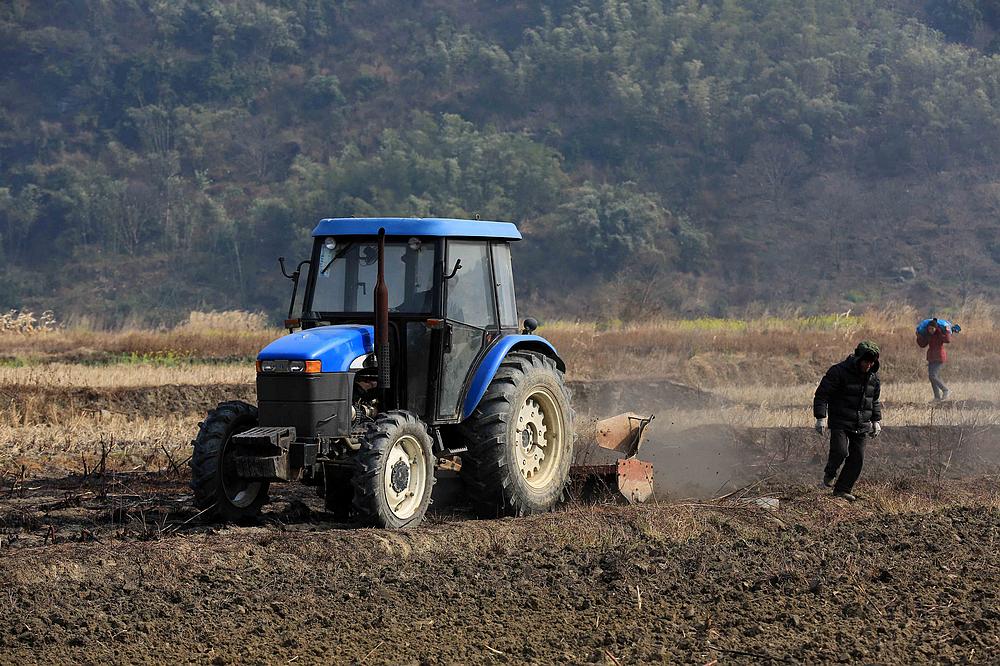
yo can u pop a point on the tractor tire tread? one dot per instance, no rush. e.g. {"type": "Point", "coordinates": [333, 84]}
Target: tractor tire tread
{"type": "Point", "coordinates": [484, 468]}
{"type": "Point", "coordinates": [366, 505]}
{"type": "Point", "coordinates": [207, 447]}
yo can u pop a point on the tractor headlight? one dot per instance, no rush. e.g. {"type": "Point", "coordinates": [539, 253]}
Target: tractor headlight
{"type": "Point", "coordinates": [330, 243]}
{"type": "Point", "coordinates": [298, 367]}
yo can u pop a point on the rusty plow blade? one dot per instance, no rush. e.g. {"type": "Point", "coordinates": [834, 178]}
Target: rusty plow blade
{"type": "Point", "coordinates": [630, 477]}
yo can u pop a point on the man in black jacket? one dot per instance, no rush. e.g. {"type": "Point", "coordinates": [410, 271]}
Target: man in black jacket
{"type": "Point", "coordinates": [849, 392]}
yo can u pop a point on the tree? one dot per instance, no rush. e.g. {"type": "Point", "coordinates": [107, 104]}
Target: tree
{"type": "Point", "coordinates": [694, 245]}
{"type": "Point", "coordinates": [17, 214]}
{"type": "Point", "coordinates": [608, 224]}
{"type": "Point", "coordinates": [957, 19]}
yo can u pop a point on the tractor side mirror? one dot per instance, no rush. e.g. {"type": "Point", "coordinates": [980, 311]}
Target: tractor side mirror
{"type": "Point", "coordinates": [290, 322]}
{"type": "Point", "coordinates": [530, 324]}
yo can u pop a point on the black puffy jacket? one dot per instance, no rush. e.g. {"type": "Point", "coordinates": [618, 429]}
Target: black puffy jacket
{"type": "Point", "coordinates": [850, 395]}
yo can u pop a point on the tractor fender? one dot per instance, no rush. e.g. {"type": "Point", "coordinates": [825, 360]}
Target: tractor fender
{"type": "Point", "coordinates": [495, 355]}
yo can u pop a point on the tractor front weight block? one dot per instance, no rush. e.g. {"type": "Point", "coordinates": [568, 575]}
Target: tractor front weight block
{"type": "Point", "coordinates": [291, 459]}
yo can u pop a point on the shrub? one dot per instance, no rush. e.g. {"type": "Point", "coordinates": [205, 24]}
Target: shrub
{"type": "Point", "coordinates": [26, 323]}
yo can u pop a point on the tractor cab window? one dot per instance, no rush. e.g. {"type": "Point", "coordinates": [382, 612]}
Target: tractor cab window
{"type": "Point", "coordinates": [505, 285]}
{"type": "Point", "coordinates": [348, 270]}
{"type": "Point", "coordinates": [470, 289]}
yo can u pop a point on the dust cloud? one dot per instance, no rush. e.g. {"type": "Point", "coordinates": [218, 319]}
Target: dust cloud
{"type": "Point", "coordinates": [709, 460]}
{"type": "Point", "coordinates": [694, 462]}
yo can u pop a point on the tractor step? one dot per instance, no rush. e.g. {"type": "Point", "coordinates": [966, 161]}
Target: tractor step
{"type": "Point", "coordinates": [262, 437]}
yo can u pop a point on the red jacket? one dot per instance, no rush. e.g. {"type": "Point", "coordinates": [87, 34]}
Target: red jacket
{"type": "Point", "coordinates": [935, 345]}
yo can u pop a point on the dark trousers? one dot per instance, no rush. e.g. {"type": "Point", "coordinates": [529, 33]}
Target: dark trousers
{"type": "Point", "coordinates": [934, 374]}
{"type": "Point", "coordinates": [847, 449]}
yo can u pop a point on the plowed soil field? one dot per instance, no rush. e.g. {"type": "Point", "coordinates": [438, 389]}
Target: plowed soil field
{"type": "Point", "coordinates": [741, 559]}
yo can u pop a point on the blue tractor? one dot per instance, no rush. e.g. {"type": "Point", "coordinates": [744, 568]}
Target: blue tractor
{"type": "Point", "coordinates": [409, 351]}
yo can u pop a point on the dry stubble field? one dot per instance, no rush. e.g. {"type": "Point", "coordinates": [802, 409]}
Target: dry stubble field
{"type": "Point", "coordinates": [103, 561]}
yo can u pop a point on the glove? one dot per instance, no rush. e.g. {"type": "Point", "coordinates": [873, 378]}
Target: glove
{"type": "Point", "coordinates": [876, 428]}
{"type": "Point", "coordinates": [820, 424]}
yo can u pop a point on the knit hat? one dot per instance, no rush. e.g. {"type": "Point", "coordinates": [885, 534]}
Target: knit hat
{"type": "Point", "coordinates": [867, 348]}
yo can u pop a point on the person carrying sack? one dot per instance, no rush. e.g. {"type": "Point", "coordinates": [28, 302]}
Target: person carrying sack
{"type": "Point", "coordinates": [849, 393]}
{"type": "Point", "coordinates": [935, 336]}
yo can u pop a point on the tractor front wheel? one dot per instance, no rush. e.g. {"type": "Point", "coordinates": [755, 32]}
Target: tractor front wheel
{"type": "Point", "coordinates": [218, 490]}
{"type": "Point", "coordinates": [518, 462]}
{"type": "Point", "coordinates": [393, 472]}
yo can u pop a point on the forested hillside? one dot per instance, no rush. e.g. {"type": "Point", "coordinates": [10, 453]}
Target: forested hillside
{"type": "Point", "coordinates": [659, 156]}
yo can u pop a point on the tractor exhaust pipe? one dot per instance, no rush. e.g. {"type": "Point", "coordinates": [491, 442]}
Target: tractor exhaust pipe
{"type": "Point", "coordinates": [382, 322]}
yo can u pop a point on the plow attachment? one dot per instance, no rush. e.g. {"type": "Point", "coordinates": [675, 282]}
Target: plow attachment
{"type": "Point", "coordinates": [628, 476]}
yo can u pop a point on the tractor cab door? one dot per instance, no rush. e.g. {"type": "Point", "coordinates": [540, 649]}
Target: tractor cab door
{"type": "Point", "coordinates": [470, 320]}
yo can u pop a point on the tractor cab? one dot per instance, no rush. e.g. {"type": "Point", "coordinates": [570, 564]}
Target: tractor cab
{"type": "Point", "coordinates": [448, 298]}
{"type": "Point", "coordinates": [409, 351]}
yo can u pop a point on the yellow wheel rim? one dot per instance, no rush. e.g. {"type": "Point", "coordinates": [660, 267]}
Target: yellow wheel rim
{"type": "Point", "coordinates": [539, 439]}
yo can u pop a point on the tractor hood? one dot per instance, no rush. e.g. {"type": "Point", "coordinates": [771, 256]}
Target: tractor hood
{"type": "Point", "coordinates": [335, 346]}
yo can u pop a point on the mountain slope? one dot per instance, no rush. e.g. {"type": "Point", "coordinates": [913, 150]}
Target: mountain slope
{"type": "Point", "coordinates": [667, 156]}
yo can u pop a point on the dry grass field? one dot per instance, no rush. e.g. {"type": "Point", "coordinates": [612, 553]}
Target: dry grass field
{"type": "Point", "coordinates": [103, 559]}
{"type": "Point", "coordinates": [69, 394]}
{"type": "Point", "coordinates": [771, 350]}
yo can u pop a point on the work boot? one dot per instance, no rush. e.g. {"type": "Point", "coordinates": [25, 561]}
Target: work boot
{"type": "Point", "coordinates": [828, 481]}
{"type": "Point", "coordinates": [945, 394]}
{"type": "Point", "coordinates": [845, 495]}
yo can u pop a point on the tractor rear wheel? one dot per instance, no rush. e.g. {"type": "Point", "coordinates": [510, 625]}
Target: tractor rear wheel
{"type": "Point", "coordinates": [218, 490]}
{"type": "Point", "coordinates": [518, 462]}
{"type": "Point", "coordinates": [393, 472]}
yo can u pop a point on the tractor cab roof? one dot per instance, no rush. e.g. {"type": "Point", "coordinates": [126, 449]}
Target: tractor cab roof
{"type": "Point", "coordinates": [416, 226]}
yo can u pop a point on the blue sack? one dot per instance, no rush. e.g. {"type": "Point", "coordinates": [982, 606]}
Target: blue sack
{"type": "Point", "coordinates": [947, 325]}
